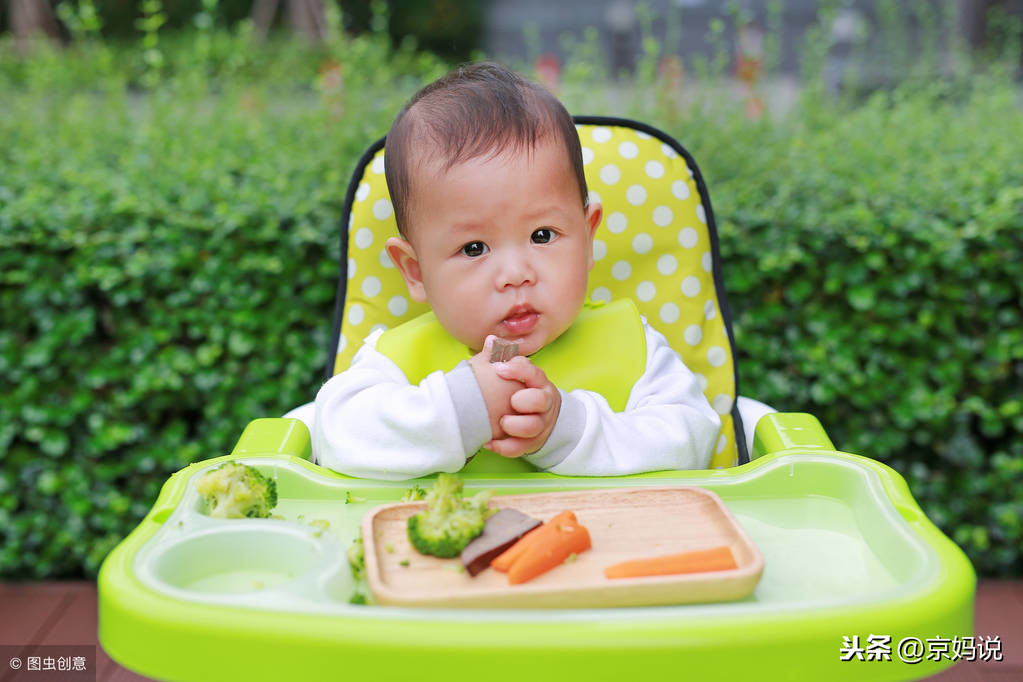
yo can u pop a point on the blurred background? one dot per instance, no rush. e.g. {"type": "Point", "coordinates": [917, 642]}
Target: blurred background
{"type": "Point", "coordinates": [172, 175]}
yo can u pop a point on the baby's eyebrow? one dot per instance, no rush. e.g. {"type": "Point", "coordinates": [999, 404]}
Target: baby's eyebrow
{"type": "Point", "coordinates": [466, 226]}
{"type": "Point", "coordinates": [552, 211]}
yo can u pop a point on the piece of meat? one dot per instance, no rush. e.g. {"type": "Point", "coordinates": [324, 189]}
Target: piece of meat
{"type": "Point", "coordinates": [501, 531]}
{"type": "Point", "coordinates": [503, 351]}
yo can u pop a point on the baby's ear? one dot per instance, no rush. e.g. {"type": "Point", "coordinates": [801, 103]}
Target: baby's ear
{"type": "Point", "coordinates": [594, 212]}
{"type": "Point", "coordinates": [404, 258]}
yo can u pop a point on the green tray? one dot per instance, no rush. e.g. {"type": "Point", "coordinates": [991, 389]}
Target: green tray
{"type": "Point", "coordinates": [847, 553]}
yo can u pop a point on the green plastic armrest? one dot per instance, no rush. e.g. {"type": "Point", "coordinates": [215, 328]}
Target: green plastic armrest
{"type": "Point", "coordinates": [787, 430]}
{"type": "Point", "coordinates": [274, 436]}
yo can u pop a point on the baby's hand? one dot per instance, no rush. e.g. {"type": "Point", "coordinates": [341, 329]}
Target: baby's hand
{"type": "Point", "coordinates": [536, 408]}
{"type": "Point", "coordinates": [497, 391]}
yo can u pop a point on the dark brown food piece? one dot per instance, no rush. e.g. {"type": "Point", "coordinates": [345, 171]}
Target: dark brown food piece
{"type": "Point", "coordinates": [503, 351]}
{"type": "Point", "coordinates": [501, 531]}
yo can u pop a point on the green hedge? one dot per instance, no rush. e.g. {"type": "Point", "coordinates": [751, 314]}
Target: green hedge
{"type": "Point", "coordinates": [168, 262]}
{"type": "Point", "coordinates": [168, 265]}
{"type": "Point", "coordinates": [875, 276]}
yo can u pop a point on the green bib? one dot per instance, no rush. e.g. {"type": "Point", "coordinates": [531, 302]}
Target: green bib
{"type": "Point", "coordinates": [604, 351]}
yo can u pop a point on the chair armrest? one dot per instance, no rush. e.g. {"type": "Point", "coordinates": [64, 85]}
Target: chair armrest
{"type": "Point", "coordinates": [304, 413]}
{"type": "Point", "coordinates": [274, 436]}
{"type": "Point", "coordinates": [750, 411]}
{"type": "Point", "coordinates": [786, 430]}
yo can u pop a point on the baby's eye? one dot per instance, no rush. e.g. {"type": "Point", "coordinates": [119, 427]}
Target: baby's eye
{"type": "Point", "coordinates": [474, 249]}
{"type": "Point", "coordinates": [543, 236]}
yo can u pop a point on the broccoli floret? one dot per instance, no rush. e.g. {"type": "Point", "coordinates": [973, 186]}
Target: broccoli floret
{"type": "Point", "coordinates": [236, 491]}
{"type": "Point", "coordinates": [449, 521]}
{"type": "Point", "coordinates": [413, 494]}
{"type": "Point", "coordinates": [357, 558]}
{"type": "Point", "coordinates": [357, 562]}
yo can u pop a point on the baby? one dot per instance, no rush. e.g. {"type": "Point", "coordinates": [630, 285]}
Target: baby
{"type": "Point", "coordinates": [485, 174]}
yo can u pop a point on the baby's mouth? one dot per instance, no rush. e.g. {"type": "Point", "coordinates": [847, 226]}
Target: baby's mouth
{"type": "Point", "coordinates": [520, 321]}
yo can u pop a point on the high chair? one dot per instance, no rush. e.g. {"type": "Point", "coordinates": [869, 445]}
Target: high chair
{"type": "Point", "coordinates": [852, 568]}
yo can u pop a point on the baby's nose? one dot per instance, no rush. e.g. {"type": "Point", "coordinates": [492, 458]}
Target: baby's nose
{"type": "Point", "coordinates": [516, 270]}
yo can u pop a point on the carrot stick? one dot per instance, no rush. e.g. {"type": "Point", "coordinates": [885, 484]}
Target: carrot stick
{"type": "Point", "coordinates": [549, 551]}
{"type": "Point", "coordinates": [505, 559]}
{"type": "Point", "coordinates": [698, 561]}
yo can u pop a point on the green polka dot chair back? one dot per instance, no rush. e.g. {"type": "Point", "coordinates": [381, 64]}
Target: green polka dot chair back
{"type": "Point", "coordinates": [656, 243]}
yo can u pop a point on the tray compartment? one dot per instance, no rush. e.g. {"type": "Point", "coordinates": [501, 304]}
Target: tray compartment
{"type": "Point", "coordinates": [240, 558]}
{"type": "Point", "coordinates": [625, 523]}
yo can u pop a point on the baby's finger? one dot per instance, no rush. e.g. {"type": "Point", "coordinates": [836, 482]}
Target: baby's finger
{"type": "Point", "coordinates": [522, 425]}
{"type": "Point", "coordinates": [531, 401]}
{"type": "Point", "coordinates": [521, 369]}
{"type": "Point", "coordinates": [488, 343]}
{"type": "Point", "coordinates": [508, 447]}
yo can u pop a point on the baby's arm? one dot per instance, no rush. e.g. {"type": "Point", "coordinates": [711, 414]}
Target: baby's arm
{"type": "Point", "coordinates": [667, 424]}
{"type": "Point", "coordinates": [370, 422]}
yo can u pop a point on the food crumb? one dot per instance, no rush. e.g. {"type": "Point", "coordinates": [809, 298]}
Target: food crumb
{"type": "Point", "coordinates": [403, 562]}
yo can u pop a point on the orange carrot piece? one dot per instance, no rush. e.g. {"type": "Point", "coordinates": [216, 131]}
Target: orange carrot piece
{"type": "Point", "coordinates": [698, 561]}
{"type": "Point", "coordinates": [505, 559]}
{"type": "Point", "coordinates": [549, 551]}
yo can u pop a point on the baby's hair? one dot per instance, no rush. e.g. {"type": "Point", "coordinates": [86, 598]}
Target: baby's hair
{"type": "Point", "coordinates": [476, 110]}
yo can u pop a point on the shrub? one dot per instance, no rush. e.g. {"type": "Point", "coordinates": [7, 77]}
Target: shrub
{"type": "Point", "coordinates": [168, 264]}
{"type": "Point", "coordinates": [874, 280]}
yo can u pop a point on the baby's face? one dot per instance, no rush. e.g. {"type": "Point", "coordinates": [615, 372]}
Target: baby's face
{"type": "Point", "coordinates": [500, 246]}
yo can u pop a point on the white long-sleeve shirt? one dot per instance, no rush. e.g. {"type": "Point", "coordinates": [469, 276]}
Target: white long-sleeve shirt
{"type": "Point", "coordinates": [371, 422]}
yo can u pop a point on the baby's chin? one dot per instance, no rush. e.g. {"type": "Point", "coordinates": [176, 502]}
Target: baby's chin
{"type": "Point", "coordinates": [527, 345]}
{"type": "Point", "coordinates": [530, 343]}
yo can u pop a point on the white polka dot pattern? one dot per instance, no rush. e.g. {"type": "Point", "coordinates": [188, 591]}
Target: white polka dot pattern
{"type": "Point", "coordinates": [617, 222]}
{"type": "Point", "coordinates": [636, 195]}
{"type": "Point", "coordinates": [642, 243]}
{"type": "Point", "coordinates": [363, 238]}
{"type": "Point", "coordinates": [652, 245]}
{"type": "Point", "coordinates": [397, 306]}
{"type": "Point", "coordinates": [610, 175]}
{"type": "Point", "coordinates": [655, 249]}
{"type": "Point", "coordinates": [376, 296]}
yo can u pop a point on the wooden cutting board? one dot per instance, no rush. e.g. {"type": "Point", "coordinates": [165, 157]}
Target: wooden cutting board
{"type": "Point", "coordinates": [624, 524]}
